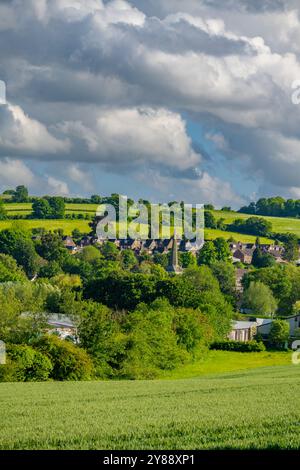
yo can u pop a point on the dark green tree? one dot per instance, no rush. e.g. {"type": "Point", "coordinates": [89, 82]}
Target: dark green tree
{"type": "Point", "coordinates": [3, 213]}
{"type": "Point", "coordinates": [21, 194]}
{"type": "Point", "coordinates": [41, 209]}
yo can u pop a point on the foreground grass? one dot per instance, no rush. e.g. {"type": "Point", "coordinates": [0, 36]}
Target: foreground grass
{"type": "Point", "coordinates": [241, 410]}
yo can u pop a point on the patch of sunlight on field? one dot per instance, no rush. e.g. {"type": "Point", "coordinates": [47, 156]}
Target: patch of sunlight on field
{"type": "Point", "coordinates": [212, 362]}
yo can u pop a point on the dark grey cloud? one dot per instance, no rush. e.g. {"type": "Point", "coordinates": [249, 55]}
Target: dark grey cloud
{"type": "Point", "coordinates": [108, 85]}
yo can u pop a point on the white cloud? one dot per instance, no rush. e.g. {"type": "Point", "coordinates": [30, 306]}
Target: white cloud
{"type": "Point", "coordinates": [57, 187]}
{"type": "Point", "coordinates": [14, 172]}
{"type": "Point", "coordinates": [21, 134]}
{"type": "Point", "coordinates": [109, 83]}
{"type": "Point", "coordinates": [136, 135]}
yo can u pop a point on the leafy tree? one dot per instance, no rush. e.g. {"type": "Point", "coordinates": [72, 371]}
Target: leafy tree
{"type": "Point", "coordinates": [128, 259]}
{"type": "Point", "coordinates": [51, 248]}
{"type": "Point", "coordinates": [209, 220]}
{"type": "Point", "coordinates": [3, 214]}
{"type": "Point", "coordinates": [208, 254]}
{"type": "Point", "coordinates": [253, 226]}
{"type": "Point", "coordinates": [291, 248]}
{"type": "Point", "coordinates": [57, 205]}
{"type": "Point", "coordinates": [77, 235]}
{"type": "Point", "coordinates": [191, 328]}
{"type": "Point", "coordinates": [95, 199]}
{"type": "Point", "coordinates": [284, 282]}
{"type": "Point", "coordinates": [67, 281]}
{"type": "Point", "coordinates": [279, 333]}
{"type": "Point", "coordinates": [152, 340]}
{"type": "Point", "coordinates": [90, 254]}
{"type": "Point", "coordinates": [69, 361]}
{"type": "Point", "coordinates": [187, 259]}
{"type": "Point", "coordinates": [223, 252]}
{"type": "Point", "coordinates": [41, 209]}
{"type": "Point", "coordinates": [20, 194]}
{"type": "Point", "coordinates": [110, 251]}
{"type": "Point", "coordinates": [122, 290]}
{"type": "Point", "coordinates": [259, 299]}
{"type": "Point", "coordinates": [9, 270]}
{"type": "Point", "coordinates": [197, 288]}
{"type": "Point", "coordinates": [101, 336]}
{"type": "Point", "coordinates": [25, 364]}
{"type": "Point", "coordinates": [262, 260]}
{"type": "Point", "coordinates": [225, 274]}
{"type": "Point", "coordinates": [50, 269]}
{"type": "Point", "coordinates": [18, 244]}
{"type": "Point", "coordinates": [162, 259]}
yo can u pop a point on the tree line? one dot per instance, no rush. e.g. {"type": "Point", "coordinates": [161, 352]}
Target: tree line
{"type": "Point", "coordinates": [273, 206]}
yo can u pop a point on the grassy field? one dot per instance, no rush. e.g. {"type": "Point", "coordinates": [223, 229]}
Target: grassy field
{"type": "Point", "coordinates": [227, 361]}
{"type": "Point", "coordinates": [212, 234]}
{"type": "Point", "coordinates": [67, 225]}
{"type": "Point", "coordinates": [279, 224]}
{"type": "Point", "coordinates": [255, 409]}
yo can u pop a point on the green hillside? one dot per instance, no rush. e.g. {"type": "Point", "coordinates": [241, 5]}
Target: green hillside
{"type": "Point", "coordinates": [279, 224]}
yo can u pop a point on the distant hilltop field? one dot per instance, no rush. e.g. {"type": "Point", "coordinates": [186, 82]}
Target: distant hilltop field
{"type": "Point", "coordinates": [77, 213]}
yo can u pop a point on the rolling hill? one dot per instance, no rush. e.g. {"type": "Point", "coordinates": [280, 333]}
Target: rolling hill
{"type": "Point", "coordinates": [279, 224]}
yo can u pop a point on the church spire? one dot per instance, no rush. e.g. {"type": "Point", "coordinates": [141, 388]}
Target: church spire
{"type": "Point", "coordinates": [173, 261]}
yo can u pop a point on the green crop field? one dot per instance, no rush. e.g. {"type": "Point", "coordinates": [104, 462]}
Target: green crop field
{"type": "Point", "coordinates": [213, 362]}
{"type": "Point", "coordinates": [254, 409]}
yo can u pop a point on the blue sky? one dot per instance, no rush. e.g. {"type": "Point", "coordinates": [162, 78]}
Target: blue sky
{"type": "Point", "coordinates": [159, 100]}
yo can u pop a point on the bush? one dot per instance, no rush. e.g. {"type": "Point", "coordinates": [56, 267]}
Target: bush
{"type": "Point", "coordinates": [69, 361]}
{"type": "Point", "coordinates": [238, 346]}
{"type": "Point", "coordinates": [279, 334]}
{"type": "Point", "coordinates": [25, 364]}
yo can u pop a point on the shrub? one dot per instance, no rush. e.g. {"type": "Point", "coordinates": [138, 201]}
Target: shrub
{"type": "Point", "coordinates": [69, 361]}
{"type": "Point", "coordinates": [279, 334]}
{"type": "Point", "coordinates": [25, 364]}
{"type": "Point", "coordinates": [152, 345]}
{"type": "Point", "coordinates": [238, 346]}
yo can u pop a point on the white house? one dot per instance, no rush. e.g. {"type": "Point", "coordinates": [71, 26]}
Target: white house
{"type": "Point", "coordinates": [242, 330]}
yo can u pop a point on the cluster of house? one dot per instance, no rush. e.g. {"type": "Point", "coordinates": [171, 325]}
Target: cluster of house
{"type": "Point", "coordinates": [246, 330]}
{"type": "Point", "coordinates": [243, 252]}
{"type": "Point", "coordinates": [150, 246]}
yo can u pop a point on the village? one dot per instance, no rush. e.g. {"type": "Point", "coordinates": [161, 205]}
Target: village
{"type": "Point", "coordinates": [242, 330]}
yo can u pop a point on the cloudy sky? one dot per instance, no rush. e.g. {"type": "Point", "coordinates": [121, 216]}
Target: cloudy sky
{"type": "Point", "coordinates": [161, 99]}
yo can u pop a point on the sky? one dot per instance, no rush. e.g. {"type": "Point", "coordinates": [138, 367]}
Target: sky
{"type": "Point", "coordinates": [159, 99]}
